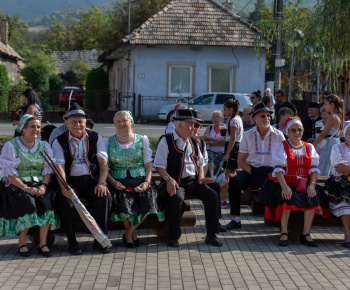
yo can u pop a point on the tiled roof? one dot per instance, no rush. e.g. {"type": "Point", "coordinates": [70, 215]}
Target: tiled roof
{"type": "Point", "coordinates": [194, 22]}
{"type": "Point", "coordinates": [9, 51]}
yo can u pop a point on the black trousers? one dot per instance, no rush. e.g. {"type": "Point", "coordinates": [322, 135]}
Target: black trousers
{"type": "Point", "coordinates": [84, 186]}
{"type": "Point", "coordinates": [237, 183]}
{"type": "Point", "coordinates": [175, 205]}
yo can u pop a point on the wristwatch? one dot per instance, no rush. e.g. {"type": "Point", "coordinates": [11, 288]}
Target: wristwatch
{"type": "Point", "coordinates": [166, 177]}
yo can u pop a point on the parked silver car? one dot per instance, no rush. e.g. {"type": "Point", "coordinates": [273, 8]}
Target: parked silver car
{"type": "Point", "coordinates": [206, 103]}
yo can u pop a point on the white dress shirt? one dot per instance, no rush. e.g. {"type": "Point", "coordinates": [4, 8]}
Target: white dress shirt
{"type": "Point", "coordinates": [161, 157]}
{"type": "Point", "coordinates": [260, 151]}
{"type": "Point", "coordinates": [79, 167]}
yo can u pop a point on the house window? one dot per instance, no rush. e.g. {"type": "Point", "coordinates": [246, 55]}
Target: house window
{"type": "Point", "coordinates": [220, 79]}
{"type": "Point", "coordinates": [180, 81]}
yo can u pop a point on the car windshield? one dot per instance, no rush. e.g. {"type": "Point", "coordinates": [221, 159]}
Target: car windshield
{"type": "Point", "coordinates": [67, 91]}
{"type": "Point", "coordinates": [203, 100]}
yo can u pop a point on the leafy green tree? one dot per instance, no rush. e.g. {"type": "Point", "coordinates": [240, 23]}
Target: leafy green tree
{"type": "Point", "coordinates": [96, 80]}
{"type": "Point", "coordinates": [55, 86]}
{"type": "Point", "coordinates": [37, 75]}
{"type": "Point", "coordinates": [81, 69]}
{"type": "Point", "coordinates": [4, 89]}
{"type": "Point", "coordinates": [95, 30]}
{"type": "Point", "coordinates": [70, 78]}
{"type": "Point", "coordinates": [259, 7]}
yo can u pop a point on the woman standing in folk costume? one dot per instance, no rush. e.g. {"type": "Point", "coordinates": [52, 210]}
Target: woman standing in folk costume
{"type": "Point", "coordinates": [292, 185]}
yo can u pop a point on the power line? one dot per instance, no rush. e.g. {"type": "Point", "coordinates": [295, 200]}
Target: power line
{"type": "Point", "coordinates": [244, 7]}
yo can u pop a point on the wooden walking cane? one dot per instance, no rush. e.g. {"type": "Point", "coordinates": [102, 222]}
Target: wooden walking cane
{"type": "Point", "coordinates": [86, 217]}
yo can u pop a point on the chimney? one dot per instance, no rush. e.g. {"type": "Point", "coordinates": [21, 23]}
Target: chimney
{"type": "Point", "coordinates": [228, 5]}
{"type": "Point", "coordinates": [4, 28]}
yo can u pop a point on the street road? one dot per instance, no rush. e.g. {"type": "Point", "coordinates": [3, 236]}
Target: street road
{"type": "Point", "coordinates": [104, 130]}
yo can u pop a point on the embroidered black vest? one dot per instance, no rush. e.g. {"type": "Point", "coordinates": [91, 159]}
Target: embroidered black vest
{"type": "Point", "coordinates": [175, 161]}
{"type": "Point", "coordinates": [90, 157]}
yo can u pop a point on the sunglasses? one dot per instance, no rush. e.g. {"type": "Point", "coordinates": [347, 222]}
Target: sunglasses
{"type": "Point", "coordinates": [197, 125]}
{"type": "Point", "coordinates": [293, 130]}
{"type": "Point", "coordinates": [252, 97]}
{"type": "Point", "coordinates": [265, 116]}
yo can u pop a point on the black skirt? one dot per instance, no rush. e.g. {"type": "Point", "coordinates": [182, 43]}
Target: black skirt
{"type": "Point", "coordinates": [232, 160]}
{"type": "Point", "coordinates": [131, 204]}
{"type": "Point", "coordinates": [271, 195]}
{"type": "Point", "coordinates": [15, 202]}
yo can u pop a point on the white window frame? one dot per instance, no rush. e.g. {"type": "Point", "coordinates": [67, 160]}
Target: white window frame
{"type": "Point", "coordinates": [230, 67]}
{"type": "Point", "coordinates": [189, 94]}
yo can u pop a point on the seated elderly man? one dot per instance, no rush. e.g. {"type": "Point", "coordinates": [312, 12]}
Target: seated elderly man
{"type": "Point", "coordinates": [81, 158]}
{"type": "Point", "coordinates": [180, 162]}
{"type": "Point", "coordinates": [255, 159]}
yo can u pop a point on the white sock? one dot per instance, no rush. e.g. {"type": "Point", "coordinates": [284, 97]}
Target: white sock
{"type": "Point", "coordinates": [237, 219]}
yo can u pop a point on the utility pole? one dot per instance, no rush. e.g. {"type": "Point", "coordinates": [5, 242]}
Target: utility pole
{"type": "Point", "coordinates": [278, 52]}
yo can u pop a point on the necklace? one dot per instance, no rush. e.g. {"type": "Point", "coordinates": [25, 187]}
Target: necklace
{"type": "Point", "coordinates": [27, 143]}
{"type": "Point", "coordinates": [295, 147]}
{"type": "Point", "coordinates": [124, 139]}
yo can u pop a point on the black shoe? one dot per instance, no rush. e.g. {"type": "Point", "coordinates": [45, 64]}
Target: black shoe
{"type": "Point", "coordinates": [303, 240]}
{"type": "Point", "coordinates": [45, 254]}
{"type": "Point", "coordinates": [74, 248]}
{"type": "Point", "coordinates": [97, 246]}
{"type": "Point", "coordinates": [24, 253]}
{"type": "Point", "coordinates": [346, 244]}
{"type": "Point", "coordinates": [222, 228]}
{"type": "Point", "coordinates": [213, 240]}
{"type": "Point", "coordinates": [173, 243]}
{"type": "Point", "coordinates": [233, 225]}
{"type": "Point", "coordinates": [137, 242]}
{"type": "Point", "coordinates": [283, 243]}
{"type": "Point", "coordinates": [129, 245]}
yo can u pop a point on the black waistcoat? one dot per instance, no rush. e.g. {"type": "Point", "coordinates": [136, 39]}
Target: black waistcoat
{"type": "Point", "coordinates": [175, 161]}
{"type": "Point", "coordinates": [90, 157]}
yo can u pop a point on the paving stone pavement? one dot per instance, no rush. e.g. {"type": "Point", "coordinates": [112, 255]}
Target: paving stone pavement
{"type": "Point", "coordinates": [249, 259]}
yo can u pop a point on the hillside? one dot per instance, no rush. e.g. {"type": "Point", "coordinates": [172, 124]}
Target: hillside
{"type": "Point", "coordinates": [36, 14]}
{"type": "Point", "coordinates": [34, 8]}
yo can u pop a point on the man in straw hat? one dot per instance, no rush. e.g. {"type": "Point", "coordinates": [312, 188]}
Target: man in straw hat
{"type": "Point", "coordinates": [82, 160]}
{"type": "Point", "coordinates": [180, 162]}
{"type": "Point", "coordinates": [255, 159]}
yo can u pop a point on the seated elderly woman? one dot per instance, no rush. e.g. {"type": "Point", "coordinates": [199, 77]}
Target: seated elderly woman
{"type": "Point", "coordinates": [130, 177]}
{"type": "Point", "coordinates": [293, 183]}
{"type": "Point", "coordinates": [215, 142]}
{"type": "Point", "coordinates": [338, 186]}
{"type": "Point", "coordinates": [25, 198]}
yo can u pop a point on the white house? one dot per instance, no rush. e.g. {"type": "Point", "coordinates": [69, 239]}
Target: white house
{"type": "Point", "coordinates": [188, 48]}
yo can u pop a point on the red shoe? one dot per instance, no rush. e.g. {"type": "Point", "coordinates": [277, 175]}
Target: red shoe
{"type": "Point", "coordinates": [223, 204]}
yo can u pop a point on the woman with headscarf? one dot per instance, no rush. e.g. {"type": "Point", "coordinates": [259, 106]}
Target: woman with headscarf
{"type": "Point", "coordinates": [130, 177]}
{"type": "Point", "coordinates": [292, 185]}
{"type": "Point", "coordinates": [338, 185]}
{"type": "Point", "coordinates": [25, 196]}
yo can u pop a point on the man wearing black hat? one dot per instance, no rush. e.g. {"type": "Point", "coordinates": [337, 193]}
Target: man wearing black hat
{"type": "Point", "coordinates": [63, 128]}
{"type": "Point", "coordinates": [81, 158]}
{"type": "Point", "coordinates": [180, 162]}
{"type": "Point", "coordinates": [309, 122]}
{"type": "Point", "coordinates": [255, 159]}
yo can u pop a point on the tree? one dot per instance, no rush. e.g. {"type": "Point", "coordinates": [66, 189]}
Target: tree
{"type": "Point", "coordinates": [81, 70]}
{"type": "Point", "coordinates": [95, 30]}
{"type": "Point", "coordinates": [259, 7]}
{"type": "Point", "coordinates": [4, 89]}
{"type": "Point", "coordinates": [96, 80]}
{"type": "Point", "coordinates": [37, 75]}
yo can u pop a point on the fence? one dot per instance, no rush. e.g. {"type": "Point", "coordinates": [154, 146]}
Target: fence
{"type": "Point", "coordinates": [125, 101]}
{"type": "Point", "coordinates": [95, 104]}
{"type": "Point", "coordinates": [149, 106]}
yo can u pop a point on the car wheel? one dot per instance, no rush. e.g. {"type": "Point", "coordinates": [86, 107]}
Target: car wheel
{"type": "Point", "coordinates": [169, 117]}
